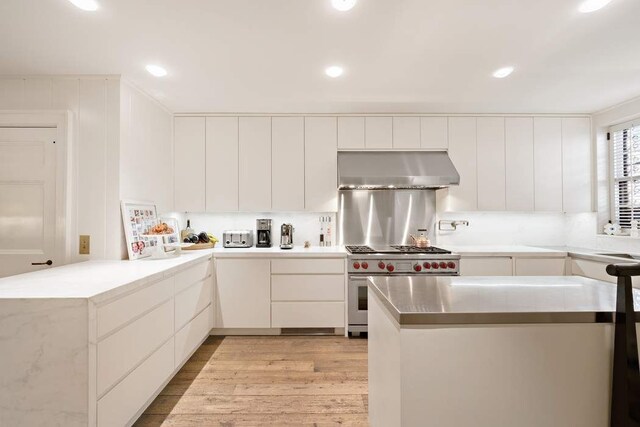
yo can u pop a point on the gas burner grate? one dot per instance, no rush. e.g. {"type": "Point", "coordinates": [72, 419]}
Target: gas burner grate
{"type": "Point", "coordinates": [360, 249]}
{"type": "Point", "coordinates": [415, 249]}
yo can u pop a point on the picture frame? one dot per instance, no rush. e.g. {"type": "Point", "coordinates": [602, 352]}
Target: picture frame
{"type": "Point", "coordinates": [137, 218]}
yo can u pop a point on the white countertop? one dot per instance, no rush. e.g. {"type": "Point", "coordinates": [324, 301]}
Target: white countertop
{"type": "Point", "coordinates": [507, 250]}
{"type": "Point", "coordinates": [297, 251]}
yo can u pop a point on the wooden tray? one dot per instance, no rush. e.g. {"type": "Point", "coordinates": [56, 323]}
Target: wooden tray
{"type": "Point", "coordinates": [198, 246]}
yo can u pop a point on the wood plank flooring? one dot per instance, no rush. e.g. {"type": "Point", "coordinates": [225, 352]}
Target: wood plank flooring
{"type": "Point", "coordinates": [267, 381]}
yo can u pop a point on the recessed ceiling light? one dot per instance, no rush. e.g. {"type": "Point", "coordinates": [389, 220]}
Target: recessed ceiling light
{"type": "Point", "coordinates": [334, 71]}
{"type": "Point", "coordinates": [156, 70]}
{"type": "Point", "coordinates": [503, 72]}
{"type": "Point", "coordinates": [343, 5]}
{"type": "Point", "coordinates": [589, 6]}
{"type": "Point", "coordinates": [89, 5]}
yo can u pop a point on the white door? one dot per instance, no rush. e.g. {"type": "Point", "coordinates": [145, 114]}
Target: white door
{"type": "Point", "coordinates": [27, 199]}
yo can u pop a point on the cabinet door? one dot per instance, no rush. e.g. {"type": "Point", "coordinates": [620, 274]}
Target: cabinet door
{"type": "Point", "coordinates": [378, 132]}
{"type": "Point", "coordinates": [321, 164]}
{"type": "Point", "coordinates": [189, 164]}
{"type": "Point", "coordinates": [222, 164]}
{"type": "Point", "coordinates": [406, 132]}
{"type": "Point", "coordinates": [519, 163]}
{"type": "Point", "coordinates": [243, 293]}
{"type": "Point", "coordinates": [488, 266]}
{"type": "Point", "coordinates": [576, 164]}
{"type": "Point", "coordinates": [463, 153]}
{"type": "Point", "coordinates": [491, 166]}
{"type": "Point", "coordinates": [350, 132]}
{"type": "Point", "coordinates": [434, 133]}
{"type": "Point", "coordinates": [255, 163]}
{"type": "Point", "coordinates": [547, 163]}
{"type": "Point", "coordinates": [287, 151]}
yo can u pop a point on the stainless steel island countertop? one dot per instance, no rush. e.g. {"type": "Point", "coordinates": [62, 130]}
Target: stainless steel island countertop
{"type": "Point", "coordinates": [415, 300]}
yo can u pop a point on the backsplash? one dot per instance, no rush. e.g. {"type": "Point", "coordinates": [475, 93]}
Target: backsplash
{"type": "Point", "coordinates": [306, 224]}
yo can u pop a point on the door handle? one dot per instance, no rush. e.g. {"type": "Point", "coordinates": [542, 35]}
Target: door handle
{"type": "Point", "coordinates": [47, 262]}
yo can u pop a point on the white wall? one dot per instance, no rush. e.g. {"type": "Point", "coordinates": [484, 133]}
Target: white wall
{"type": "Point", "coordinates": [306, 225]}
{"type": "Point", "coordinates": [94, 102]}
{"type": "Point", "coordinates": [146, 152]}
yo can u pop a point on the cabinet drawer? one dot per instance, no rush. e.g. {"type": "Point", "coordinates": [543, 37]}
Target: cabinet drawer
{"type": "Point", "coordinates": [488, 266]}
{"type": "Point", "coordinates": [122, 403]}
{"type": "Point", "coordinates": [191, 301]}
{"type": "Point", "coordinates": [307, 315]}
{"type": "Point", "coordinates": [539, 266]}
{"type": "Point", "coordinates": [193, 274]}
{"type": "Point", "coordinates": [188, 338]}
{"type": "Point", "coordinates": [592, 269]}
{"type": "Point", "coordinates": [121, 311]}
{"type": "Point", "coordinates": [119, 353]}
{"type": "Point", "coordinates": [307, 266]}
{"type": "Point", "coordinates": [297, 287]}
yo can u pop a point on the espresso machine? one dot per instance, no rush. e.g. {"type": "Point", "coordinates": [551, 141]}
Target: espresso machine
{"type": "Point", "coordinates": [263, 230]}
{"type": "Point", "coordinates": [286, 236]}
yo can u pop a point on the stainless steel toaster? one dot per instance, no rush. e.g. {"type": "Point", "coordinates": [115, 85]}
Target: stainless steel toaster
{"type": "Point", "coordinates": [237, 239]}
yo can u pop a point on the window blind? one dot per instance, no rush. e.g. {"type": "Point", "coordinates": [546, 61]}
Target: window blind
{"type": "Point", "coordinates": [625, 140]}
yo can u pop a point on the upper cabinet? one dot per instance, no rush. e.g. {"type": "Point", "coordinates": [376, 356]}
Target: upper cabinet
{"type": "Point", "coordinates": [434, 133]}
{"type": "Point", "coordinates": [547, 161]}
{"type": "Point", "coordinates": [222, 164]}
{"type": "Point", "coordinates": [463, 153]}
{"type": "Point", "coordinates": [406, 132]}
{"type": "Point", "coordinates": [254, 163]}
{"type": "Point", "coordinates": [519, 163]}
{"type": "Point", "coordinates": [351, 133]}
{"type": "Point", "coordinates": [576, 164]}
{"type": "Point", "coordinates": [321, 164]}
{"type": "Point", "coordinates": [189, 164]}
{"type": "Point", "coordinates": [378, 133]}
{"type": "Point", "coordinates": [287, 163]}
{"type": "Point", "coordinates": [491, 163]}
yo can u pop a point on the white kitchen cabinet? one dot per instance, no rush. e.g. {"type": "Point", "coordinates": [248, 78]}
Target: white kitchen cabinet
{"type": "Point", "coordinates": [321, 164]}
{"type": "Point", "coordinates": [406, 132]}
{"type": "Point", "coordinates": [591, 269]}
{"type": "Point", "coordinates": [189, 164]}
{"type": "Point", "coordinates": [287, 164]}
{"type": "Point", "coordinates": [434, 133]}
{"type": "Point", "coordinates": [486, 266]}
{"type": "Point", "coordinates": [307, 287]}
{"type": "Point", "coordinates": [576, 164]}
{"type": "Point", "coordinates": [463, 153]}
{"type": "Point", "coordinates": [307, 314]}
{"type": "Point", "coordinates": [243, 293]}
{"type": "Point", "coordinates": [254, 181]}
{"type": "Point", "coordinates": [307, 266]}
{"type": "Point", "coordinates": [547, 163]}
{"type": "Point", "coordinates": [539, 266]}
{"type": "Point", "coordinates": [378, 133]}
{"type": "Point", "coordinates": [351, 133]}
{"type": "Point", "coordinates": [491, 163]}
{"type": "Point", "coordinates": [519, 163]}
{"type": "Point", "coordinates": [222, 164]}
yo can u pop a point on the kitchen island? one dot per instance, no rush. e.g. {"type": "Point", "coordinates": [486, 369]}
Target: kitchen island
{"type": "Point", "coordinates": [490, 351]}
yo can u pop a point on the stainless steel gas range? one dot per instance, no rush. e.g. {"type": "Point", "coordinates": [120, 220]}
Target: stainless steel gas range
{"type": "Point", "coordinates": [364, 261]}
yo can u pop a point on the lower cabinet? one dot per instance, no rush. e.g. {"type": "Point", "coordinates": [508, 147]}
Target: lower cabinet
{"type": "Point", "coordinates": [512, 266]}
{"type": "Point", "coordinates": [592, 269]}
{"type": "Point", "coordinates": [143, 337]}
{"type": "Point", "coordinates": [307, 314]}
{"type": "Point", "coordinates": [539, 266]}
{"type": "Point", "coordinates": [486, 266]}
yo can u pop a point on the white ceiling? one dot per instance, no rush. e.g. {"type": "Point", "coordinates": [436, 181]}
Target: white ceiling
{"type": "Point", "coordinates": [399, 55]}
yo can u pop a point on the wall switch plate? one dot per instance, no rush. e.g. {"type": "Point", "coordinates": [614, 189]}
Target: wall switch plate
{"type": "Point", "coordinates": [85, 244]}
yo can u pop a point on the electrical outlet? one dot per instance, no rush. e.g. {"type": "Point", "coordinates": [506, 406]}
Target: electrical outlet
{"type": "Point", "coordinates": [85, 244]}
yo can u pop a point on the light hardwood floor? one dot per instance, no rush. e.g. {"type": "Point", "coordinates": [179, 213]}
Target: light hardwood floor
{"type": "Point", "coordinates": [274, 381]}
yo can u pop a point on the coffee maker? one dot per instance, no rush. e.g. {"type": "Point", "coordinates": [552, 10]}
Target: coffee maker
{"type": "Point", "coordinates": [263, 230]}
{"type": "Point", "coordinates": [286, 236]}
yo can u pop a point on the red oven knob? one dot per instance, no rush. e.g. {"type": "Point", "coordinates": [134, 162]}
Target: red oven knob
{"type": "Point", "coordinates": [390, 268]}
{"type": "Point", "coordinates": [417, 267]}
{"type": "Point", "coordinates": [356, 265]}
{"type": "Point", "coordinates": [451, 264]}
{"type": "Point", "coordinates": [426, 265]}
{"type": "Point", "coordinates": [381, 265]}
{"type": "Point", "coordinates": [443, 265]}
{"type": "Point", "coordinates": [434, 265]}
{"type": "Point", "coordinates": [365, 265]}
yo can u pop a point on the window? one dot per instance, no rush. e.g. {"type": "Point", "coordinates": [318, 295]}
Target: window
{"type": "Point", "coordinates": [625, 176]}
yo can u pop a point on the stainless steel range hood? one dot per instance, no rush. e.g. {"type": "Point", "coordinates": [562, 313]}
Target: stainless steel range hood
{"type": "Point", "coordinates": [398, 169]}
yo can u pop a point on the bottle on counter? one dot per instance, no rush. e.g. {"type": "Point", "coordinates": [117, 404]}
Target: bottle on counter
{"type": "Point", "coordinates": [328, 233]}
{"type": "Point", "coordinates": [188, 230]}
{"type": "Point", "coordinates": [321, 231]}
